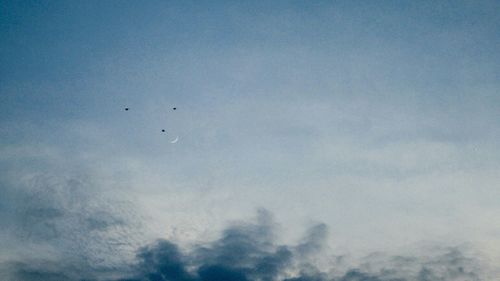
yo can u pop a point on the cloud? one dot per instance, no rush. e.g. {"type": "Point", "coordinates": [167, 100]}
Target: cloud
{"type": "Point", "coordinates": [248, 252]}
{"type": "Point", "coordinates": [60, 227]}
{"type": "Point", "coordinates": [57, 228]}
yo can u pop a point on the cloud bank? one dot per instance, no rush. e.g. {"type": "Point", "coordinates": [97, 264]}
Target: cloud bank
{"type": "Point", "coordinates": [248, 251]}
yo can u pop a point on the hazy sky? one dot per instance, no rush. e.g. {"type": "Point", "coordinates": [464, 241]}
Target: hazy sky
{"type": "Point", "coordinates": [380, 119]}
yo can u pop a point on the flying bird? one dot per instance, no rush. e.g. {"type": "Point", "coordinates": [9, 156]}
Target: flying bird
{"type": "Point", "coordinates": [162, 130]}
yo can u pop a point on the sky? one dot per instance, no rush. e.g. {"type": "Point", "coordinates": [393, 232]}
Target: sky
{"type": "Point", "coordinates": [376, 121]}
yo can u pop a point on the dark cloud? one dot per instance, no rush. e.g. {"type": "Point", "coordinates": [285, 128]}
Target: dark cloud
{"type": "Point", "coordinates": [24, 272]}
{"type": "Point", "coordinates": [64, 233]}
{"type": "Point", "coordinates": [314, 240]}
{"type": "Point", "coordinates": [248, 252]}
{"type": "Point", "coordinates": [245, 251]}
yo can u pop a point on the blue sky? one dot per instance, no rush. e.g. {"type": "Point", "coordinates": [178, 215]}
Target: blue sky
{"type": "Point", "coordinates": [380, 119]}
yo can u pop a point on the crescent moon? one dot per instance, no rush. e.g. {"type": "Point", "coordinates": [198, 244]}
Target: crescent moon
{"type": "Point", "coordinates": [175, 140]}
